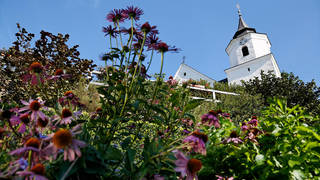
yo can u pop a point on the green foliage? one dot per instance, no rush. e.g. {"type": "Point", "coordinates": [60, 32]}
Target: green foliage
{"type": "Point", "coordinates": [288, 87]}
{"type": "Point", "coordinates": [240, 107]}
{"type": "Point", "coordinates": [287, 149]}
{"type": "Point", "coordinates": [53, 53]}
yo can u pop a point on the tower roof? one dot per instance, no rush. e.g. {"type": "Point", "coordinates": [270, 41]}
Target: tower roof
{"type": "Point", "coordinates": [243, 28]}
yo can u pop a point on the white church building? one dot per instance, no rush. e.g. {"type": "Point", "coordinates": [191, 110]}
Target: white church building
{"type": "Point", "coordinates": [249, 54]}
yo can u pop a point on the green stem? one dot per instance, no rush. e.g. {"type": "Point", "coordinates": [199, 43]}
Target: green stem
{"type": "Point", "coordinates": [159, 78]}
{"type": "Point", "coordinates": [120, 34]}
{"type": "Point", "coordinates": [69, 169]}
{"type": "Point", "coordinates": [150, 60]}
{"type": "Point", "coordinates": [130, 46]}
{"type": "Point", "coordinates": [110, 41]}
{"type": "Point", "coordinates": [133, 76]}
{"type": "Point", "coordinates": [29, 158]}
{"type": "Point", "coordinates": [116, 37]}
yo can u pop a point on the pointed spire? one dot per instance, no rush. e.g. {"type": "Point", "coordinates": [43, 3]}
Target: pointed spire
{"type": "Point", "coordinates": [241, 24]}
{"type": "Point", "coordinates": [243, 28]}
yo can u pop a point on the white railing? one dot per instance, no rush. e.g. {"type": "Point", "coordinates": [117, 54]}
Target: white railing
{"type": "Point", "coordinates": [200, 88]}
{"type": "Point", "coordinates": [214, 92]}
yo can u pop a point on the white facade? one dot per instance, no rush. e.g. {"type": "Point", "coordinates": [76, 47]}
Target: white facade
{"type": "Point", "coordinates": [185, 72]}
{"type": "Point", "coordinates": [249, 54]}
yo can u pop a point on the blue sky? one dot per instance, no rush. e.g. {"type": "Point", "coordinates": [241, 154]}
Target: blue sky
{"type": "Point", "coordinates": [202, 29]}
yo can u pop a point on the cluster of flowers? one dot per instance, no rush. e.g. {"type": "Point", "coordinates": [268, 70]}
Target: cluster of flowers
{"type": "Point", "coordinates": [195, 142]}
{"type": "Point", "coordinates": [38, 74]}
{"type": "Point", "coordinates": [132, 13]}
{"type": "Point", "coordinates": [249, 131]}
{"type": "Point", "coordinates": [42, 137]}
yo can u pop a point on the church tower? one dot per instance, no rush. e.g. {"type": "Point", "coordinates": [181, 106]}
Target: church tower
{"type": "Point", "coordinates": [249, 54]}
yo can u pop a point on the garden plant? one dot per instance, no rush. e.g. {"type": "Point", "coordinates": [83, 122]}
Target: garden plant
{"type": "Point", "coordinates": [141, 129]}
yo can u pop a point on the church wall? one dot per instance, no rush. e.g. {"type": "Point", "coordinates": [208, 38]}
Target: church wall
{"type": "Point", "coordinates": [261, 45]}
{"type": "Point", "coordinates": [251, 69]}
{"type": "Point", "coordinates": [185, 73]}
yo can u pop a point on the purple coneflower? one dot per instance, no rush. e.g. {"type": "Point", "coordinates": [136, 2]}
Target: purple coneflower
{"type": "Point", "coordinates": [64, 139]}
{"type": "Point", "coordinates": [244, 127]}
{"type": "Point", "coordinates": [34, 107]}
{"type": "Point", "coordinates": [21, 120]}
{"type": "Point", "coordinates": [152, 41]}
{"type": "Point", "coordinates": [163, 47]}
{"type": "Point", "coordinates": [116, 16]}
{"type": "Point", "coordinates": [36, 69]}
{"type": "Point", "coordinates": [36, 172]}
{"type": "Point", "coordinates": [253, 121]}
{"type": "Point", "coordinates": [233, 138]}
{"type": "Point", "coordinates": [59, 74]}
{"type": "Point", "coordinates": [109, 30]}
{"type": "Point", "coordinates": [224, 178]}
{"type": "Point", "coordinates": [66, 116]}
{"type": "Point", "coordinates": [32, 144]}
{"type": "Point", "coordinates": [138, 35]}
{"type": "Point", "coordinates": [133, 12]}
{"type": "Point", "coordinates": [197, 142]}
{"type": "Point", "coordinates": [146, 28]}
{"type": "Point", "coordinates": [187, 167]}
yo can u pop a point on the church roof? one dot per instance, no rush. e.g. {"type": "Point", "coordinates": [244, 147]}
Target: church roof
{"type": "Point", "coordinates": [243, 28]}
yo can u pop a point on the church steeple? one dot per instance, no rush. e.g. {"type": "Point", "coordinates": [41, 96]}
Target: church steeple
{"type": "Point", "coordinates": [243, 28]}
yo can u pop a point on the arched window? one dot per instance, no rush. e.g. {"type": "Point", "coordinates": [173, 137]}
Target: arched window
{"type": "Point", "coordinates": [245, 51]}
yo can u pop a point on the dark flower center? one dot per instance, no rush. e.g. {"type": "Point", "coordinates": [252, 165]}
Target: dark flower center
{"type": "Point", "coordinates": [38, 169]}
{"type": "Point", "coordinates": [200, 135]}
{"type": "Point", "coordinates": [58, 72]}
{"type": "Point", "coordinates": [36, 67]}
{"type": "Point", "coordinates": [162, 47]}
{"type": "Point", "coordinates": [62, 138]}
{"type": "Point", "coordinates": [213, 112]}
{"type": "Point", "coordinates": [35, 105]}
{"type": "Point", "coordinates": [99, 110]}
{"type": "Point", "coordinates": [69, 94]}
{"type": "Point", "coordinates": [33, 142]}
{"type": "Point", "coordinates": [25, 118]}
{"type": "Point", "coordinates": [42, 122]}
{"type": "Point", "coordinates": [233, 134]}
{"type": "Point", "coordinates": [194, 165]}
{"type": "Point", "coordinates": [6, 114]}
{"type": "Point", "coordinates": [66, 113]}
{"type": "Point", "coordinates": [1, 131]}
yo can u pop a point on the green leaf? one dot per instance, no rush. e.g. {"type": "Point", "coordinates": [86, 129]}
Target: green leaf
{"type": "Point", "coordinates": [292, 163]}
{"type": "Point", "coordinates": [260, 159]}
{"type": "Point", "coordinates": [297, 174]}
{"type": "Point", "coordinates": [306, 129]}
{"type": "Point", "coordinates": [192, 104]}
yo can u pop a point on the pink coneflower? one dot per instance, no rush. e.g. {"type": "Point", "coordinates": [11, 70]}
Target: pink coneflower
{"type": "Point", "coordinates": [109, 30]}
{"type": "Point", "coordinates": [224, 178]}
{"type": "Point", "coordinates": [36, 172]}
{"type": "Point", "coordinates": [197, 142]}
{"type": "Point", "coordinates": [36, 67]}
{"type": "Point", "coordinates": [187, 167]}
{"type": "Point", "coordinates": [253, 122]}
{"type": "Point", "coordinates": [66, 116]}
{"type": "Point", "coordinates": [133, 12]}
{"type": "Point", "coordinates": [22, 120]}
{"type": "Point", "coordinates": [42, 122]}
{"type": "Point", "coordinates": [211, 118]}
{"type": "Point", "coordinates": [34, 107]}
{"type": "Point", "coordinates": [233, 138]}
{"type": "Point", "coordinates": [32, 144]}
{"type": "Point", "coordinates": [244, 127]}
{"type": "Point", "coordinates": [116, 15]}
{"type": "Point", "coordinates": [152, 41]}
{"type": "Point", "coordinates": [163, 47]}
{"type": "Point", "coordinates": [64, 139]}
{"type": "Point", "coordinates": [146, 28]}
{"type": "Point", "coordinates": [137, 34]}
{"type": "Point", "coordinates": [59, 73]}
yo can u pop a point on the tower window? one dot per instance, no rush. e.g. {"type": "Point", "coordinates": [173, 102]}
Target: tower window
{"type": "Point", "coordinates": [249, 69]}
{"type": "Point", "coordinates": [245, 51]}
{"type": "Point", "coordinates": [185, 74]}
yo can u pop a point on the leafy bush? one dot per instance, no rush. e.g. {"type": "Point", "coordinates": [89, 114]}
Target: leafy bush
{"type": "Point", "coordinates": [50, 55]}
{"type": "Point", "coordinates": [289, 87]}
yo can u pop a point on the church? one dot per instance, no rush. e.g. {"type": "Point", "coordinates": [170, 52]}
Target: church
{"type": "Point", "coordinates": [249, 54]}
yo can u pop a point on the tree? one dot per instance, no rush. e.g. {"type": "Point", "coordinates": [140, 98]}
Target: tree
{"type": "Point", "coordinates": [56, 60]}
{"type": "Point", "coordinates": [288, 87]}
